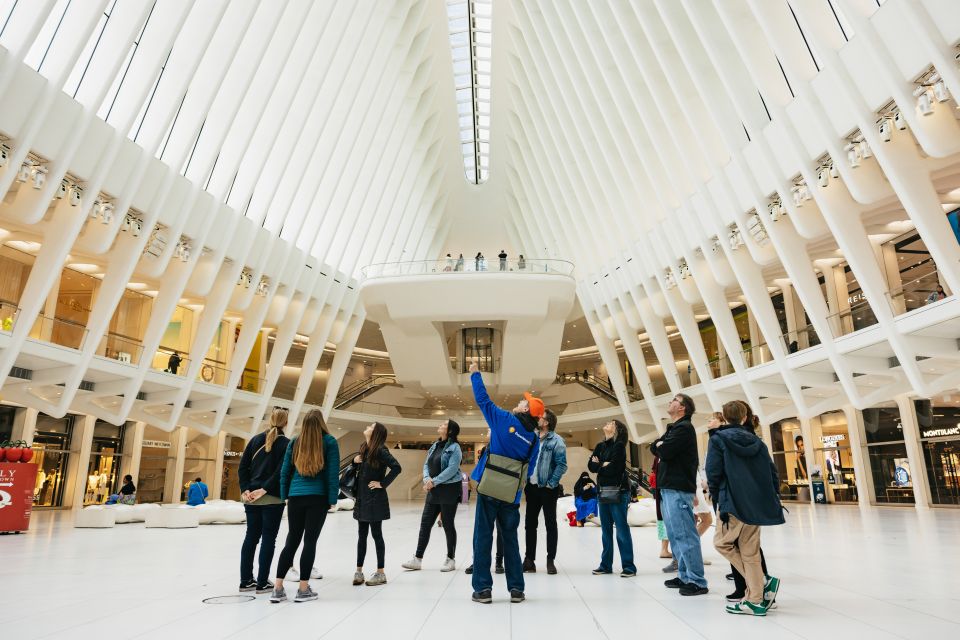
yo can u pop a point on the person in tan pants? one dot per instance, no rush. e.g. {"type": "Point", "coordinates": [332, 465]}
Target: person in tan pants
{"type": "Point", "coordinates": [743, 483]}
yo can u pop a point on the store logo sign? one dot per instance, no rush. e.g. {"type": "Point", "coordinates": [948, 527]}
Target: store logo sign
{"type": "Point", "coordinates": [834, 439]}
{"type": "Point", "coordinates": [156, 444]}
{"type": "Point", "coordinates": [940, 432]}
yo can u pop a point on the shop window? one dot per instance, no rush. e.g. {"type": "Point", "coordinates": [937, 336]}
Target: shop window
{"type": "Point", "coordinates": [790, 458]}
{"type": "Point", "coordinates": [889, 464]}
{"type": "Point", "coordinates": [175, 341]}
{"type": "Point", "coordinates": [232, 452]}
{"type": "Point", "coordinates": [860, 314]}
{"type": "Point", "coordinates": [15, 269]}
{"type": "Point", "coordinates": [833, 458]}
{"type": "Point", "coordinates": [51, 444]}
{"type": "Point", "coordinates": [155, 461]}
{"type": "Point", "coordinates": [7, 417]}
{"type": "Point", "coordinates": [939, 423]}
{"type": "Point", "coordinates": [103, 472]}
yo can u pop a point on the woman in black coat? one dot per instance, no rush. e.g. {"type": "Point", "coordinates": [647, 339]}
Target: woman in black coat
{"type": "Point", "coordinates": [377, 468]}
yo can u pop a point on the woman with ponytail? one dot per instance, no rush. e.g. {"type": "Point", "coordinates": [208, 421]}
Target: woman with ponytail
{"type": "Point", "coordinates": [259, 475]}
{"type": "Point", "coordinates": [309, 481]}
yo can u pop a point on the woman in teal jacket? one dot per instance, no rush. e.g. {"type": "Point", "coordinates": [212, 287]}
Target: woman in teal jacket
{"type": "Point", "coordinates": [309, 482]}
{"type": "Point", "coordinates": [441, 481]}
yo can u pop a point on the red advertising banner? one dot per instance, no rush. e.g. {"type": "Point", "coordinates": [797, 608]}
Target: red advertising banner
{"type": "Point", "coordinates": [17, 480]}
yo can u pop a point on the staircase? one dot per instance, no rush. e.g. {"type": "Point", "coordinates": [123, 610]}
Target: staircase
{"type": "Point", "coordinates": [361, 389]}
{"type": "Point", "coordinates": [596, 384]}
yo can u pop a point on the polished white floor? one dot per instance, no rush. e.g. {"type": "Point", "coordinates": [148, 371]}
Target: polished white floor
{"type": "Point", "coordinates": [847, 573]}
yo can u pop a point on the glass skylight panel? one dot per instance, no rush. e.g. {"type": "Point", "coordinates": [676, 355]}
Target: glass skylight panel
{"type": "Point", "coordinates": [469, 22]}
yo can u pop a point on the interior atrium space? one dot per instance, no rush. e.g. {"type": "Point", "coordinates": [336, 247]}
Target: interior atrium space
{"type": "Point", "coordinates": [636, 282]}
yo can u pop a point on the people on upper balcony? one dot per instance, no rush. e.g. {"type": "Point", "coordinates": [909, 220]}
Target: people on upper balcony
{"type": "Point", "coordinates": [503, 259]}
{"type": "Point", "coordinates": [938, 294]}
{"type": "Point", "coordinates": [450, 263]}
{"type": "Point", "coordinates": [521, 262]}
{"type": "Point", "coordinates": [173, 362]}
{"type": "Point", "coordinates": [459, 265]}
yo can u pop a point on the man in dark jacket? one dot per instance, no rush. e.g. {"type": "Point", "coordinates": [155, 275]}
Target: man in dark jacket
{"type": "Point", "coordinates": [513, 439]}
{"type": "Point", "coordinates": [677, 484]}
{"type": "Point", "coordinates": [744, 485]}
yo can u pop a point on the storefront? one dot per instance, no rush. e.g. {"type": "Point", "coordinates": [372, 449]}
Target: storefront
{"type": "Point", "coordinates": [106, 453]}
{"type": "Point", "coordinates": [887, 452]}
{"type": "Point", "coordinates": [7, 417]}
{"type": "Point", "coordinates": [155, 460]}
{"type": "Point", "coordinates": [51, 445]}
{"type": "Point", "coordinates": [790, 458]}
{"type": "Point", "coordinates": [232, 452]}
{"type": "Point", "coordinates": [199, 461]}
{"type": "Point", "coordinates": [833, 459]}
{"type": "Point", "coordinates": [939, 423]}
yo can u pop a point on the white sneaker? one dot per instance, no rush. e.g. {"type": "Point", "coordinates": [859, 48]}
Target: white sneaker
{"type": "Point", "coordinates": [413, 564]}
{"type": "Point", "coordinates": [292, 574]}
{"type": "Point", "coordinates": [449, 565]}
{"type": "Point", "coordinates": [315, 574]}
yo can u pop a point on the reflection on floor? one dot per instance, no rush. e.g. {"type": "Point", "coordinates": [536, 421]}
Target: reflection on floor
{"type": "Point", "coordinates": [847, 573]}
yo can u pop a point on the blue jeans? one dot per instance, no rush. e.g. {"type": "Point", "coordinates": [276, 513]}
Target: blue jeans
{"type": "Point", "coordinates": [506, 517]}
{"type": "Point", "coordinates": [616, 515]}
{"type": "Point", "coordinates": [263, 523]}
{"type": "Point", "coordinates": [677, 507]}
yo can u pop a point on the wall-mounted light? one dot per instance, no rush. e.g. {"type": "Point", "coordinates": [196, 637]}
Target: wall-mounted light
{"type": "Point", "coordinates": [924, 100]}
{"type": "Point", "coordinates": [734, 239]}
{"type": "Point", "coordinates": [823, 176]}
{"type": "Point", "coordinates": [62, 190]}
{"type": "Point", "coordinates": [5, 150]}
{"type": "Point", "coordinates": [886, 129]}
{"type": "Point", "coordinates": [263, 286]}
{"type": "Point", "coordinates": [899, 121]}
{"type": "Point", "coordinates": [940, 91]}
{"type": "Point", "coordinates": [853, 155]}
{"type": "Point", "coordinates": [76, 195]}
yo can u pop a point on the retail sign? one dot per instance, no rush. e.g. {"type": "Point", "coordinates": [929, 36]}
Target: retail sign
{"type": "Point", "coordinates": [231, 454]}
{"type": "Point", "coordinates": [16, 495]}
{"type": "Point", "coordinates": [832, 440]}
{"type": "Point", "coordinates": [940, 432]}
{"type": "Point", "coordinates": [156, 444]}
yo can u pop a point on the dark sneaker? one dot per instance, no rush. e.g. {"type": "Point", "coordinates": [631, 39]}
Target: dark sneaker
{"type": "Point", "coordinates": [627, 573]}
{"type": "Point", "coordinates": [693, 590]}
{"type": "Point", "coordinates": [674, 583]}
{"type": "Point", "coordinates": [499, 568]}
{"type": "Point", "coordinates": [736, 596]}
{"type": "Point", "coordinates": [551, 568]}
{"type": "Point", "coordinates": [517, 596]}
{"type": "Point", "coordinates": [671, 568]}
{"type": "Point", "coordinates": [529, 566]}
{"type": "Point", "coordinates": [729, 576]}
{"type": "Point", "coordinates": [265, 588]}
{"type": "Point", "coordinates": [305, 596]}
{"type": "Point", "coordinates": [483, 597]}
{"type": "Point", "coordinates": [468, 570]}
{"type": "Point", "coordinates": [249, 585]}
{"type": "Point", "coordinates": [601, 572]}
{"type": "Point", "coordinates": [747, 609]}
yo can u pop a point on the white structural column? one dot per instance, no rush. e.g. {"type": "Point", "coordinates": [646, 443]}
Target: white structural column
{"type": "Point", "coordinates": [173, 482]}
{"type": "Point", "coordinates": [866, 492]}
{"type": "Point", "coordinates": [132, 451]}
{"type": "Point", "coordinates": [79, 461]}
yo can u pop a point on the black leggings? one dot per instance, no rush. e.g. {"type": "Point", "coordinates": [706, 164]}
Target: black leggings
{"type": "Point", "coordinates": [447, 513]}
{"type": "Point", "coordinates": [305, 517]}
{"type": "Point", "coordinates": [738, 578]}
{"type": "Point", "coordinates": [376, 528]}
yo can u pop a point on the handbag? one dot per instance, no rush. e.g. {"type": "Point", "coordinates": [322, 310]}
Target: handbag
{"type": "Point", "coordinates": [348, 481]}
{"type": "Point", "coordinates": [504, 477]}
{"type": "Point", "coordinates": [609, 494]}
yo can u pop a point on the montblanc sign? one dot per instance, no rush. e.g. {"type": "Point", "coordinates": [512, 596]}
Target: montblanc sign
{"type": "Point", "coordinates": [940, 432]}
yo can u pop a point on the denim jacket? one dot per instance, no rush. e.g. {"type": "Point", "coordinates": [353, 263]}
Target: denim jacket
{"type": "Point", "coordinates": [449, 464]}
{"type": "Point", "coordinates": [553, 451]}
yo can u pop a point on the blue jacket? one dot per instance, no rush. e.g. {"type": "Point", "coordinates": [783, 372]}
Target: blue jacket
{"type": "Point", "coordinates": [508, 436]}
{"type": "Point", "coordinates": [327, 482]}
{"type": "Point", "coordinates": [551, 462]}
{"type": "Point", "coordinates": [742, 477]}
{"type": "Point", "coordinates": [197, 494]}
{"type": "Point", "coordinates": [450, 459]}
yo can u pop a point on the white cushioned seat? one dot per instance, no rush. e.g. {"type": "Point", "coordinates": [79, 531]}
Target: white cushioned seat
{"type": "Point", "coordinates": [96, 517]}
{"type": "Point", "coordinates": [172, 516]}
{"type": "Point", "coordinates": [345, 504]}
{"type": "Point", "coordinates": [642, 512]}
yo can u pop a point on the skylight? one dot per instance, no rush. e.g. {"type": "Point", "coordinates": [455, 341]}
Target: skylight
{"type": "Point", "coordinates": [470, 38]}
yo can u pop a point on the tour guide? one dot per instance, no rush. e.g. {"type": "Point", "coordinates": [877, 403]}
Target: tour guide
{"type": "Point", "coordinates": [502, 473]}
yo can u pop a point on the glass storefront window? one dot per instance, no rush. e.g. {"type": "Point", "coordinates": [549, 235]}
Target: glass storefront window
{"type": "Point", "coordinates": [939, 423]}
{"type": "Point", "coordinates": [103, 472]}
{"type": "Point", "coordinates": [232, 451]}
{"type": "Point", "coordinates": [51, 445]}
{"type": "Point", "coordinates": [834, 461]}
{"type": "Point", "coordinates": [7, 416]}
{"type": "Point", "coordinates": [15, 268]}
{"type": "Point", "coordinates": [889, 465]}
{"type": "Point", "coordinates": [789, 455]}
{"type": "Point", "coordinates": [155, 460]}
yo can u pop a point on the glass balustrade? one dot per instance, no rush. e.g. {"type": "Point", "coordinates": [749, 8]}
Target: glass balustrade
{"type": "Point", "coordinates": [471, 265]}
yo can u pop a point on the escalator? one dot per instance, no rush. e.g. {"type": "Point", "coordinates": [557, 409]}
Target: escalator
{"type": "Point", "coordinates": [361, 389]}
{"type": "Point", "coordinates": [597, 385]}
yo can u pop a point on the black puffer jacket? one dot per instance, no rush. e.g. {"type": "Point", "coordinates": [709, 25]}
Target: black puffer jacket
{"type": "Point", "coordinates": [260, 469]}
{"type": "Point", "coordinates": [373, 505]}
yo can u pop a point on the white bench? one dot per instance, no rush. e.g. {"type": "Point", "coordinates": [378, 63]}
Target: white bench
{"type": "Point", "coordinates": [95, 517]}
{"type": "Point", "coordinates": [172, 516]}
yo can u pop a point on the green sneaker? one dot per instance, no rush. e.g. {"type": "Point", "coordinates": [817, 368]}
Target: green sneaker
{"type": "Point", "coordinates": [747, 609]}
{"type": "Point", "coordinates": [770, 589]}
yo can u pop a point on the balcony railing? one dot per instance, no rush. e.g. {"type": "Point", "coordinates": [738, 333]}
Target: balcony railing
{"type": "Point", "coordinates": [453, 265]}
{"type": "Point", "coordinates": [8, 315]}
{"type": "Point", "coordinates": [251, 381]}
{"type": "Point", "coordinates": [60, 331]}
{"type": "Point", "coordinates": [916, 292]}
{"type": "Point", "coordinates": [121, 348]}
